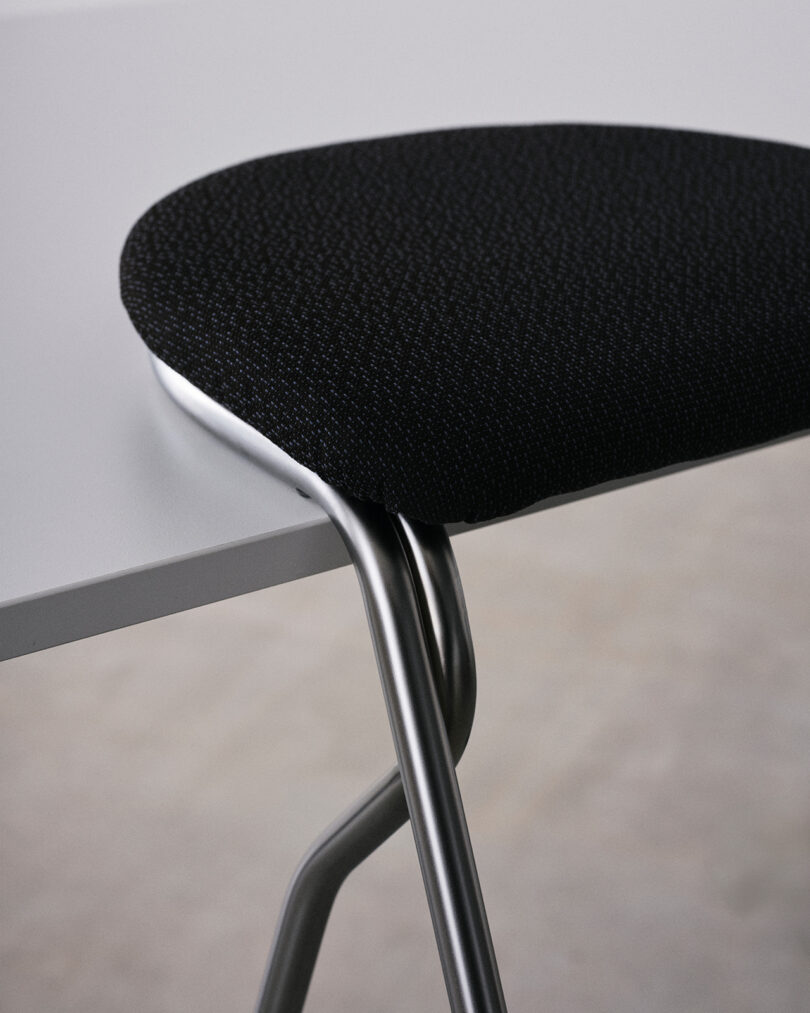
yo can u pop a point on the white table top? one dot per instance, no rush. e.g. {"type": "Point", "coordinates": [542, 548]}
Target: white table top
{"type": "Point", "coordinates": [115, 508]}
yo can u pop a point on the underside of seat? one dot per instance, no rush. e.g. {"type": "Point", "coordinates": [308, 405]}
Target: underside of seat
{"type": "Point", "coordinates": [459, 324]}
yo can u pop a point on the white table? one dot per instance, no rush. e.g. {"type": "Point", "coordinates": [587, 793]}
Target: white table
{"type": "Point", "coordinates": [115, 508]}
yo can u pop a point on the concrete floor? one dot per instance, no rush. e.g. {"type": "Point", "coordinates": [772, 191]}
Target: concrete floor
{"type": "Point", "coordinates": [636, 784]}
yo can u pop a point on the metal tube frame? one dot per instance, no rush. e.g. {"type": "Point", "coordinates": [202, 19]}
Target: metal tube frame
{"type": "Point", "coordinates": [416, 615]}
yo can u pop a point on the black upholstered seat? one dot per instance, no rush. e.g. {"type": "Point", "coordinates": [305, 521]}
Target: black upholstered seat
{"type": "Point", "coordinates": [458, 324]}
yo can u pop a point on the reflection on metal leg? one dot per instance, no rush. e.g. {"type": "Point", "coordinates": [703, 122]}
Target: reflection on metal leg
{"type": "Point", "coordinates": [425, 762]}
{"type": "Point", "coordinates": [382, 811]}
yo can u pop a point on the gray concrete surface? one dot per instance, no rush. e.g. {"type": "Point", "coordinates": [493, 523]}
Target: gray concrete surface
{"type": "Point", "coordinates": [636, 784]}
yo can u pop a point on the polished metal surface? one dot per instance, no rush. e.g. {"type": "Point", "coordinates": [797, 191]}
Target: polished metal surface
{"type": "Point", "coordinates": [415, 612]}
{"type": "Point", "coordinates": [383, 810]}
{"type": "Point", "coordinates": [426, 766]}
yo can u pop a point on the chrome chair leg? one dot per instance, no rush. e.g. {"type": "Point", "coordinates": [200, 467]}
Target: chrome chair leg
{"type": "Point", "coordinates": [409, 611]}
{"type": "Point", "coordinates": [425, 762]}
{"type": "Point", "coordinates": [383, 810]}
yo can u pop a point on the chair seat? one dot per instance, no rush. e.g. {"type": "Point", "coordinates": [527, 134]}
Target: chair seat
{"type": "Point", "coordinates": [459, 324]}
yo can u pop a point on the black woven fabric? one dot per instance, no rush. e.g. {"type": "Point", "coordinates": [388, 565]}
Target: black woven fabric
{"type": "Point", "coordinates": [458, 324]}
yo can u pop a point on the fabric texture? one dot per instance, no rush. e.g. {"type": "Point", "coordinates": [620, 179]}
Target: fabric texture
{"type": "Point", "coordinates": [459, 324]}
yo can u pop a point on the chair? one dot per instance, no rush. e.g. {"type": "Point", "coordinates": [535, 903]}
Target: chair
{"type": "Point", "coordinates": [453, 326]}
